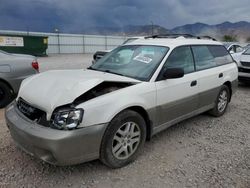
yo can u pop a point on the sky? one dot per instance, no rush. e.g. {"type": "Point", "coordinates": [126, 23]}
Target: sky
{"type": "Point", "coordinates": [78, 15]}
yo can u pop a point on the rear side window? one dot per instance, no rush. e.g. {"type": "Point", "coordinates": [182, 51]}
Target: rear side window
{"type": "Point", "coordinates": [247, 52]}
{"type": "Point", "coordinates": [235, 49]}
{"type": "Point", "coordinates": [220, 55]}
{"type": "Point", "coordinates": [204, 59]}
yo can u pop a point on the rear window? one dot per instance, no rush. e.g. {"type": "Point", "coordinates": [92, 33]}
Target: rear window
{"type": "Point", "coordinates": [210, 56]}
{"type": "Point", "coordinates": [220, 55]}
{"type": "Point", "coordinates": [203, 58]}
{"type": "Point", "coordinates": [247, 52]}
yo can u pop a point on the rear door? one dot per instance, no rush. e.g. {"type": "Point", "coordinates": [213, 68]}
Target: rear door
{"type": "Point", "coordinates": [211, 64]}
{"type": "Point", "coordinates": [177, 97]}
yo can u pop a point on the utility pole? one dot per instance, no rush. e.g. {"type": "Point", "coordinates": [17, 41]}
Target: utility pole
{"type": "Point", "coordinates": [58, 39]}
{"type": "Point", "coordinates": [152, 28]}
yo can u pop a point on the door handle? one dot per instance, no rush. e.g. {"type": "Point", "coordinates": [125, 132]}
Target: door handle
{"type": "Point", "coordinates": [220, 75]}
{"type": "Point", "coordinates": [193, 83]}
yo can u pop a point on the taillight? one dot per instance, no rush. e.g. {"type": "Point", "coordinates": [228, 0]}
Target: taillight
{"type": "Point", "coordinates": [35, 65]}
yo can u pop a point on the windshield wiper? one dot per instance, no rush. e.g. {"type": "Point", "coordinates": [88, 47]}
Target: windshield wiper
{"type": "Point", "coordinates": [108, 71]}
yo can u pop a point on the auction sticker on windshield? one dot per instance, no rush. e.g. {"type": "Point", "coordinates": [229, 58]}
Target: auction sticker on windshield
{"type": "Point", "coordinates": [143, 59]}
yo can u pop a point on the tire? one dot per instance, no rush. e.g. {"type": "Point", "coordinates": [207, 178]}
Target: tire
{"type": "Point", "coordinates": [116, 140]}
{"type": "Point", "coordinates": [5, 95]}
{"type": "Point", "coordinates": [218, 110]}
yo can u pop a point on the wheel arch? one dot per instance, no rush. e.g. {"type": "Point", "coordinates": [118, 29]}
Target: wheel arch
{"type": "Point", "coordinates": [7, 83]}
{"type": "Point", "coordinates": [140, 110]}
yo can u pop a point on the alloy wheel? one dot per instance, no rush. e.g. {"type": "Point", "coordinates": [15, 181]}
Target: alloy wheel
{"type": "Point", "coordinates": [223, 100]}
{"type": "Point", "coordinates": [126, 140]}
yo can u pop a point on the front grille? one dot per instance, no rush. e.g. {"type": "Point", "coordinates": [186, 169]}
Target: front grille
{"type": "Point", "coordinates": [244, 70]}
{"type": "Point", "coordinates": [29, 111]}
{"type": "Point", "coordinates": [245, 64]}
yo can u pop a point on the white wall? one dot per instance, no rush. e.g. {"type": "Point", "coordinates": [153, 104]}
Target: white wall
{"type": "Point", "coordinates": [75, 43]}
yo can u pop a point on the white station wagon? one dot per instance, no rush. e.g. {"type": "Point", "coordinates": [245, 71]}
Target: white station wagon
{"type": "Point", "coordinates": [107, 111]}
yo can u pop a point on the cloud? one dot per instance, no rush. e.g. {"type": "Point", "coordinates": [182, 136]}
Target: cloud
{"type": "Point", "coordinates": [77, 15]}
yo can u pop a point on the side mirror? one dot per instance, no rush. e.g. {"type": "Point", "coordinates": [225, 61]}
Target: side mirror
{"type": "Point", "coordinates": [231, 52]}
{"type": "Point", "coordinates": [172, 73]}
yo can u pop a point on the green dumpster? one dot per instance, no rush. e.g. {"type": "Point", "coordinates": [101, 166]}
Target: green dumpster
{"type": "Point", "coordinates": [24, 44]}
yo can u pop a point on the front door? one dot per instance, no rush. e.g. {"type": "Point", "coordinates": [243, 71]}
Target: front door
{"type": "Point", "coordinates": [178, 97]}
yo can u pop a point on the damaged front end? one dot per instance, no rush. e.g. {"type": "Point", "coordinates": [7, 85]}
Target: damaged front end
{"type": "Point", "coordinates": [101, 89]}
{"type": "Point", "coordinates": [68, 116]}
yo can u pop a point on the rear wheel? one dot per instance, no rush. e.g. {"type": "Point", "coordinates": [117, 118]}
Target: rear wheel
{"type": "Point", "coordinates": [123, 139]}
{"type": "Point", "coordinates": [5, 95]}
{"type": "Point", "coordinates": [221, 102]}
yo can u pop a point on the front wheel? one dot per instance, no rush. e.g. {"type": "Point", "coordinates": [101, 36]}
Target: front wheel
{"type": "Point", "coordinates": [123, 139]}
{"type": "Point", "coordinates": [221, 102]}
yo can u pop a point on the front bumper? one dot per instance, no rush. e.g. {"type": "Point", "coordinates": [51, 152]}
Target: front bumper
{"type": "Point", "coordinates": [244, 76]}
{"type": "Point", "coordinates": [56, 147]}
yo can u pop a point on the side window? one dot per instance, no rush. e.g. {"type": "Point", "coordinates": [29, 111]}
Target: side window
{"type": "Point", "coordinates": [231, 49]}
{"type": "Point", "coordinates": [220, 55]}
{"type": "Point", "coordinates": [238, 49]}
{"type": "Point", "coordinates": [181, 57]}
{"type": "Point", "coordinates": [203, 57]}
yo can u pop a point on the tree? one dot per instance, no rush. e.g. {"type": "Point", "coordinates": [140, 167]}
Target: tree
{"type": "Point", "coordinates": [229, 38]}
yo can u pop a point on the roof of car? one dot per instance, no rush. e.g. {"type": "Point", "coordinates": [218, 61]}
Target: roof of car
{"type": "Point", "coordinates": [174, 42]}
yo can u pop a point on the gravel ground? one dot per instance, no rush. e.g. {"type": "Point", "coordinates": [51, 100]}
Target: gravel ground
{"type": "Point", "coordinates": [200, 152]}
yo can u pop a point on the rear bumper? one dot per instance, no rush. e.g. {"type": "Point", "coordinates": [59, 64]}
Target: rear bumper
{"type": "Point", "coordinates": [244, 76]}
{"type": "Point", "coordinates": [54, 146]}
{"type": "Point", "coordinates": [244, 73]}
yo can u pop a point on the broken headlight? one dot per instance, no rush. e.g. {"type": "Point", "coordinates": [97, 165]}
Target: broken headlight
{"type": "Point", "coordinates": [67, 119]}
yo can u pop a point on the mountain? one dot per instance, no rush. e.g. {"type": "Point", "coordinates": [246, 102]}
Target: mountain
{"type": "Point", "coordinates": [240, 30]}
{"type": "Point", "coordinates": [128, 30]}
{"type": "Point", "coordinates": [193, 29]}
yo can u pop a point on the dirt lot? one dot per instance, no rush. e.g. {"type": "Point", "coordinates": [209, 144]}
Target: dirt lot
{"type": "Point", "coordinates": [200, 152]}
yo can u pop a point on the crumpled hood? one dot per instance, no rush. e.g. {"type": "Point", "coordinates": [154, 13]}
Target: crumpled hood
{"type": "Point", "coordinates": [51, 89]}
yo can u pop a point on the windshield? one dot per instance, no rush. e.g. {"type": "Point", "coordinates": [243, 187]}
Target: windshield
{"type": "Point", "coordinates": [247, 52]}
{"type": "Point", "coordinates": [129, 40]}
{"type": "Point", "coordinates": [227, 44]}
{"type": "Point", "coordinates": [135, 61]}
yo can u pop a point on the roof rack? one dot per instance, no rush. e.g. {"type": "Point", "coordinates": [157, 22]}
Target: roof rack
{"type": "Point", "coordinates": [179, 35]}
{"type": "Point", "coordinates": [170, 36]}
{"type": "Point", "coordinates": [206, 37]}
